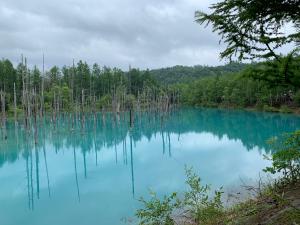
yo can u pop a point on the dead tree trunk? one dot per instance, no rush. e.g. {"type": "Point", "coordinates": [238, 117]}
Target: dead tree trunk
{"type": "Point", "coordinates": [28, 97]}
{"type": "Point", "coordinates": [82, 110]}
{"type": "Point", "coordinates": [131, 117]}
{"type": "Point", "coordinates": [42, 90]}
{"type": "Point", "coordinates": [24, 95]}
{"type": "Point", "coordinates": [35, 112]}
{"type": "Point", "coordinates": [94, 111]}
{"type": "Point", "coordinates": [3, 115]}
{"type": "Point", "coordinates": [74, 105]}
{"type": "Point", "coordinates": [54, 110]}
{"type": "Point", "coordinates": [15, 106]}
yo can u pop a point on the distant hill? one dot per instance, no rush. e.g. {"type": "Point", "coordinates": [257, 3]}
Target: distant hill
{"type": "Point", "coordinates": [177, 74]}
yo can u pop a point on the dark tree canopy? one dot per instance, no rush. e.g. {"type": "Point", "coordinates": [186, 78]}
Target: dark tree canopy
{"type": "Point", "coordinates": [253, 28]}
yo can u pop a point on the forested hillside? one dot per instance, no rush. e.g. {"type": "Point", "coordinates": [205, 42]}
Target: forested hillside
{"type": "Point", "coordinates": [179, 74]}
{"type": "Point", "coordinates": [266, 86]}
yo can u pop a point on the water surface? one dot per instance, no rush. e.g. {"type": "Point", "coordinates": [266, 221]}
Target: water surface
{"type": "Point", "coordinates": [94, 175]}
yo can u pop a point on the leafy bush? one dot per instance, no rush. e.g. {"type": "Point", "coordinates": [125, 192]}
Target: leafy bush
{"type": "Point", "coordinates": [269, 108]}
{"type": "Point", "coordinates": [297, 98]}
{"type": "Point", "coordinates": [285, 109]}
{"type": "Point", "coordinates": [158, 212]}
{"type": "Point", "coordinates": [204, 209]}
{"type": "Point", "coordinates": [199, 205]}
{"type": "Point", "coordinates": [104, 102]}
{"type": "Point", "coordinates": [286, 159]}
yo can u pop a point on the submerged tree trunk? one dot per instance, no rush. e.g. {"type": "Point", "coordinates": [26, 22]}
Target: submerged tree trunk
{"type": "Point", "coordinates": [35, 112]}
{"type": "Point", "coordinates": [3, 114]}
{"type": "Point", "coordinates": [94, 111]}
{"type": "Point", "coordinates": [103, 118]}
{"type": "Point", "coordinates": [54, 111]}
{"type": "Point", "coordinates": [82, 110]}
{"type": "Point", "coordinates": [131, 117]}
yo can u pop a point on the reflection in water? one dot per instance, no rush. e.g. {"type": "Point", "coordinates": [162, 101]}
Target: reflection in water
{"type": "Point", "coordinates": [46, 165]}
{"type": "Point", "coordinates": [131, 164]}
{"type": "Point", "coordinates": [105, 132]}
{"type": "Point", "coordinates": [76, 176]}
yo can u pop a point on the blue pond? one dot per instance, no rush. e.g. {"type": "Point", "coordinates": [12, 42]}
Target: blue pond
{"type": "Point", "coordinates": [96, 174]}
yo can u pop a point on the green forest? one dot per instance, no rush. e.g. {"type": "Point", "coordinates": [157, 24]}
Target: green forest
{"type": "Point", "coordinates": [269, 86]}
{"type": "Point", "coordinates": [186, 74]}
{"type": "Point", "coordinates": [264, 86]}
{"type": "Point", "coordinates": [78, 87]}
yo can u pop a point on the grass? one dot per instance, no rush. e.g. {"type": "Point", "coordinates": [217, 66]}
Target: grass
{"type": "Point", "coordinates": [273, 205]}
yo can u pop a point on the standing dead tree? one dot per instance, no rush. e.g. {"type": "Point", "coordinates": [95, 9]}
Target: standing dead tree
{"type": "Point", "coordinates": [42, 90]}
{"type": "Point", "coordinates": [3, 114]}
{"type": "Point", "coordinates": [35, 113]}
{"type": "Point", "coordinates": [82, 110]}
{"type": "Point", "coordinates": [15, 106]}
{"type": "Point", "coordinates": [24, 95]}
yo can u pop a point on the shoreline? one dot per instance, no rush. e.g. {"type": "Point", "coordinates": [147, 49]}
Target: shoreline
{"type": "Point", "coordinates": [291, 110]}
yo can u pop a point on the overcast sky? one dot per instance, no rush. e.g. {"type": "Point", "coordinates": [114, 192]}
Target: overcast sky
{"type": "Point", "coordinates": [116, 33]}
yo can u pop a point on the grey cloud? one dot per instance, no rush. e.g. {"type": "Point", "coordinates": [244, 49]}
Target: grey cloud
{"type": "Point", "coordinates": [145, 34]}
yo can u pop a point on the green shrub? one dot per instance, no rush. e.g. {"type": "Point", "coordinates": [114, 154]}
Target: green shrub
{"type": "Point", "coordinates": [158, 212]}
{"type": "Point", "coordinates": [203, 208]}
{"type": "Point", "coordinates": [285, 109]}
{"type": "Point", "coordinates": [104, 102]}
{"type": "Point", "coordinates": [197, 202]}
{"type": "Point", "coordinates": [297, 98]}
{"type": "Point", "coordinates": [286, 159]}
{"type": "Point", "coordinates": [267, 108]}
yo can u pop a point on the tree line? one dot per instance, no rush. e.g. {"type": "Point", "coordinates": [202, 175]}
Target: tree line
{"type": "Point", "coordinates": [78, 87]}
{"type": "Point", "coordinates": [262, 85]}
{"type": "Point", "coordinates": [81, 87]}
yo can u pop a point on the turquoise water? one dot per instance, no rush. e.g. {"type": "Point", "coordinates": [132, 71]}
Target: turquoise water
{"type": "Point", "coordinates": [95, 175]}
